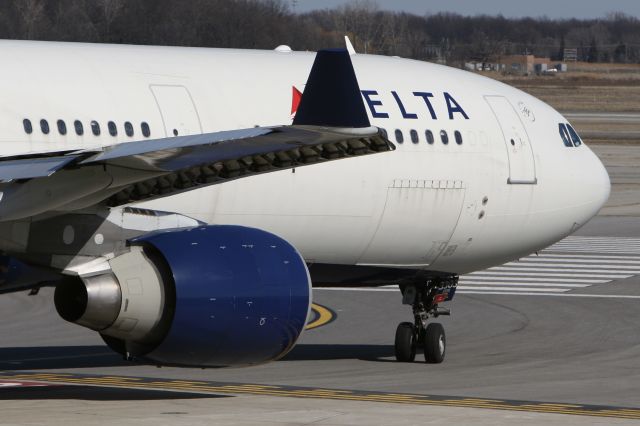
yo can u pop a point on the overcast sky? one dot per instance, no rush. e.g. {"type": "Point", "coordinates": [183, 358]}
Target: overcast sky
{"type": "Point", "coordinates": [508, 8]}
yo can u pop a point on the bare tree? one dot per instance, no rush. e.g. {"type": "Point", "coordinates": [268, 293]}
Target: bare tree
{"type": "Point", "coordinates": [268, 23]}
{"type": "Point", "coordinates": [359, 20]}
{"type": "Point", "coordinates": [416, 37]}
{"type": "Point", "coordinates": [32, 14]}
{"type": "Point", "coordinates": [111, 10]}
{"type": "Point", "coordinates": [484, 49]}
{"type": "Point", "coordinates": [393, 34]}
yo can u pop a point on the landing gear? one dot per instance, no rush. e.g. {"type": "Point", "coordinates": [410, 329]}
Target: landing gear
{"type": "Point", "coordinates": [434, 343]}
{"type": "Point", "coordinates": [406, 342]}
{"type": "Point", "coordinates": [424, 298]}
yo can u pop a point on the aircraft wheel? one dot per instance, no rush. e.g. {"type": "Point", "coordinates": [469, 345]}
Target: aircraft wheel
{"type": "Point", "coordinates": [435, 343]}
{"type": "Point", "coordinates": [405, 342]}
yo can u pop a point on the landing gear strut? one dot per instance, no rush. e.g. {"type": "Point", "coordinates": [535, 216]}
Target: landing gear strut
{"type": "Point", "coordinates": [424, 298]}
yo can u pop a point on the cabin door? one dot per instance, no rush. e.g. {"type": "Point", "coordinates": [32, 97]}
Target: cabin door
{"type": "Point", "coordinates": [178, 111]}
{"type": "Point", "coordinates": [522, 168]}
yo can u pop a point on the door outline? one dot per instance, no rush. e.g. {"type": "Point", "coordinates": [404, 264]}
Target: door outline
{"type": "Point", "coordinates": [413, 191]}
{"type": "Point", "coordinates": [163, 112]}
{"type": "Point", "coordinates": [530, 158]}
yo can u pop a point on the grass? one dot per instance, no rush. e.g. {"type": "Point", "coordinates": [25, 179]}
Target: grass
{"type": "Point", "coordinates": [585, 87]}
{"type": "Point", "coordinates": [589, 97]}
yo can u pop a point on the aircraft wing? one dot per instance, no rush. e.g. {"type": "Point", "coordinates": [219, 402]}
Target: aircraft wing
{"type": "Point", "coordinates": [331, 124]}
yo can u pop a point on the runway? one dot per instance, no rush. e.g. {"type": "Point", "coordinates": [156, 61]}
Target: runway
{"type": "Point", "coordinates": [571, 355]}
{"type": "Point", "coordinates": [552, 338]}
{"type": "Point", "coordinates": [204, 389]}
{"type": "Point", "coordinates": [607, 126]}
{"type": "Point", "coordinates": [575, 263]}
{"type": "Point", "coordinates": [605, 117]}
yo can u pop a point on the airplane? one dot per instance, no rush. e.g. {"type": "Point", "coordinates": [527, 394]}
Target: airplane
{"type": "Point", "coordinates": [183, 201]}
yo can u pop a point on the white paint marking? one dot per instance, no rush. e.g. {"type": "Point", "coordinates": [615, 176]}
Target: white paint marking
{"type": "Point", "coordinates": [599, 241]}
{"type": "Point", "coordinates": [556, 269]}
{"type": "Point", "coordinates": [595, 237]}
{"type": "Point", "coordinates": [473, 282]}
{"type": "Point", "coordinates": [560, 280]}
{"type": "Point", "coordinates": [595, 244]}
{"type": "Point", "coordinates": [611, 250]}
{"type": "Point", "coordinates": [528, 259]}
{"type": "Point", "coordinates": [515, 289]}
{"type": "Point", "coordinates": [592, 249]}
{"type": "Point", "coordinates": [544, 274]}
{"type": "Point", "coordinates": [595, 296]}
{"type": "Point", "coordinates": [585, 256]}
{"type": "Point", "coordinates": [622, 268]}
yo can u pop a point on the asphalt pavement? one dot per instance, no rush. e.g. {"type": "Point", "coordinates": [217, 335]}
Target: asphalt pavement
{"type": "Point", "coordinates": [553, 338]}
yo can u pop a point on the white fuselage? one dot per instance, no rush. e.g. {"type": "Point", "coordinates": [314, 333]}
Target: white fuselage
{"type": "Point", "coordinates": [444, 207]}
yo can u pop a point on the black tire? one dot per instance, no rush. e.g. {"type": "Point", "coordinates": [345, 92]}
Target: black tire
{"type": "Point", "coordinates": [405, 342]}
{"type": "Point", "coordinates": [435, 343]}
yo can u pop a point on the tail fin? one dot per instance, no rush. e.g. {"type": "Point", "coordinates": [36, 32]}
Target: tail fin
{"type": "Point", "coordinates": [332, 96]}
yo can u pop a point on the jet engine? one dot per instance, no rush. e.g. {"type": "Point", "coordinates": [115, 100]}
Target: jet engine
{"type": "Point", "coordinates": [207, 296]}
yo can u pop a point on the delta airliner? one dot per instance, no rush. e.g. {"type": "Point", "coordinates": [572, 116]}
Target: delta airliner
{"type": "Point", "coordinates": [183, 200]}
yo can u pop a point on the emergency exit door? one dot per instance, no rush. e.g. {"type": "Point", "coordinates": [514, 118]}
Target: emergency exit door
{"type": "Point", "coordinates": [179, 113]}
{"type": "Point", "coordinates": [522, 168]}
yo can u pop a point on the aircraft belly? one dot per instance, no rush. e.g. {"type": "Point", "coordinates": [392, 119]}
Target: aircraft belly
{"type": "Point", "coordinates": [328, 211]}
{"type": "Point", "coordinates": [419, 218]}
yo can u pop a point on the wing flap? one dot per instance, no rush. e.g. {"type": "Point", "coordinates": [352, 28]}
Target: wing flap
{"type": "Point", "coordinates": [283, 148]}
{"type": "Point", "coordinates": [156, 149]}
{"type": "Point", "coordinates": [198, 150]}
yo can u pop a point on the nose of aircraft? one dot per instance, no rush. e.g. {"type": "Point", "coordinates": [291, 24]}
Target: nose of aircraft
{"type": "Point", "coordinates": [597, 182]}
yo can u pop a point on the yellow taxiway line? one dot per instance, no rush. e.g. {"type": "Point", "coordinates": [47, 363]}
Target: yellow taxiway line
{"type": "Point", "coordinates": [206, 387]}
{"type": "Point", "coordinates": [323, 316]}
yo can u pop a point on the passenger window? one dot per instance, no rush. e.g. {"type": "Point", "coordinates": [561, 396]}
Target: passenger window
{"type": "Point", "coordinates": [399, 136]}
{"type": "Point", "coordinates": [384, 133]}
{"type": "Point", "coordinates": [429, 135]}
{"type": "Point", "coordinates": [146, 132]}
{"type": "Point", "coordinates": [574, 136]}
{"type": "Point", "coordinates": [444, 137]}
{"type": "Point", "coordinates": [113, 130]}
{"type": "Point", "coordinates": [28, 128]}
{"type": "Point", "coordinates": [95, 128]}
{"type": "Point", "coordinates": [564, 134]}
{"type": "Point", "coordinates": [62, 127]}
{"type": "Point", "coordinates": [79, 127]}
{"type": "Point", "coordinates": [414, 136]}
{"type": "Point", "coordinates": [44, 126]}
{"type": "Point", "coordinates": [458, 137]}
{"type": "Point", "coordinates": [128, 128]}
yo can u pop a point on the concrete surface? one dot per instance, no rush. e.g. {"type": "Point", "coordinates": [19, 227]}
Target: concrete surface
{"type": "Point", "coordinates": [554, 350]}
{"type": "Point", "coordinates": [623, 164]}
{"type": "Point", "coordinates": [266, 411]}
{"type": "Point", "coordinates": [613, 127]}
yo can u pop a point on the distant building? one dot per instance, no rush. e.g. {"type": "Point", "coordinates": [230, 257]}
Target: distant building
{"type": "Point", "coordinates": [570, 55]}
{"type": "Point", "coordinates": [523, 64]}
{"type": "Point", "coordinates": [518, 64]}
{"type": "Point", "coordinates": [540, 68]}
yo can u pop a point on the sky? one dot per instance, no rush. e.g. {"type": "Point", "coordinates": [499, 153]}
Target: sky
{"type": "Point", "coordinates": [509, 8]}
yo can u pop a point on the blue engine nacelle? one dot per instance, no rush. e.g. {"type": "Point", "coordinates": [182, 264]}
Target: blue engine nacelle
{"type": "Point", "coordinates": [208, 296]}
